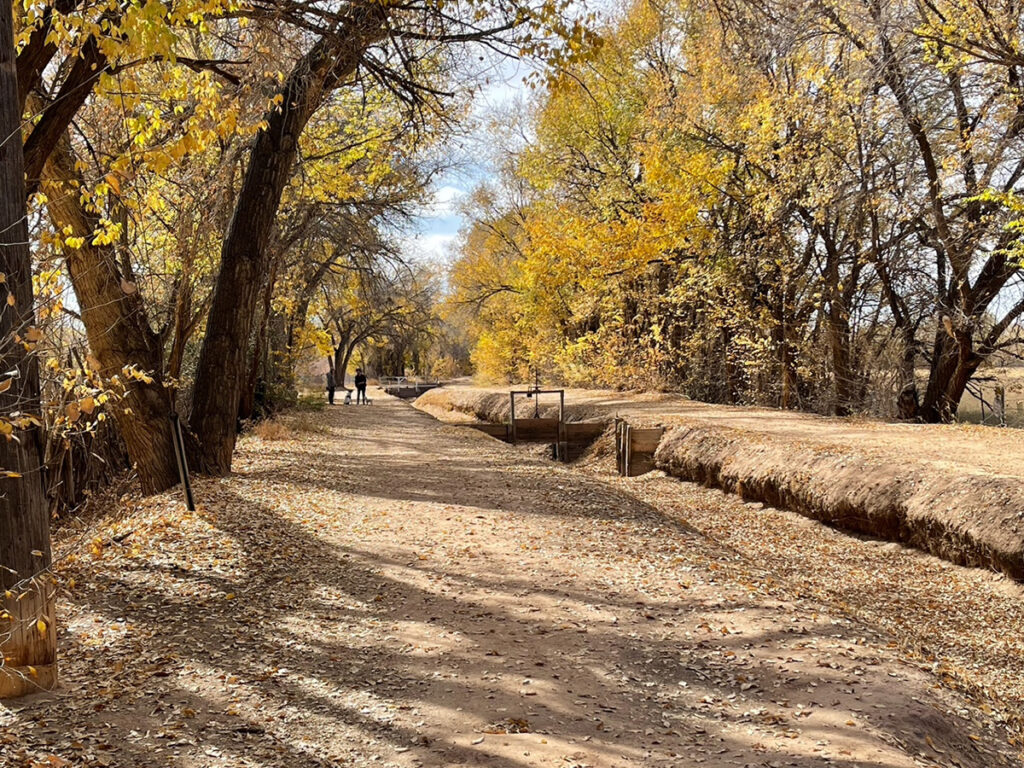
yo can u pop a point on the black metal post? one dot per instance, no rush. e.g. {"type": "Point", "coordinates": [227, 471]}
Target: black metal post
{"type": "Point", "coordinates": [179, 455]}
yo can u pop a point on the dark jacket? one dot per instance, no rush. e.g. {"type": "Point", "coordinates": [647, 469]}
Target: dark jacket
{"type": "Point", "coordinates": [330, 379]}
{"type": "Point", "coordinates": [360, 381]}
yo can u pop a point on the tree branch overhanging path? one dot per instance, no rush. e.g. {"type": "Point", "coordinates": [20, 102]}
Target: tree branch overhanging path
{"type": "Point", "coordinates": [370, 51]}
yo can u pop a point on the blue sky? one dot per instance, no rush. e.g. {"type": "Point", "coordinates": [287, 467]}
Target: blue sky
{"type": "Point", "coordinates": [471, 156]}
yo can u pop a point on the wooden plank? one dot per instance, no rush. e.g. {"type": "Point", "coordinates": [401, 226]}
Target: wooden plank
{"type": "Point", "coordinates": [646, 440]}
{"type": "Point", "coordinates": [641, 465]}
{"type": "Point", "coordinates": [579, 431]}
{"type": "Point", "coordinates": [536, 430]}
{"type": "Point", "coordinates": [499, 431]}
{"type": "Point", "coordinates": [640, 445]}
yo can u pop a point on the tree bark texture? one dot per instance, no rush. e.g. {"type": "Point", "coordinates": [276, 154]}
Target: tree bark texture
{"type": "Point", "coordinates": [118, 331]}
{"type": "Point", "coordinates": [953, 365]}
{"type": "Point", "coordinates": [28, 640]}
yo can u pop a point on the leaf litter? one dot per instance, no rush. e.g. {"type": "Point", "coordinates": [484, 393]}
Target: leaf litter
{"type": "Point", "coordinates": [389, 591]}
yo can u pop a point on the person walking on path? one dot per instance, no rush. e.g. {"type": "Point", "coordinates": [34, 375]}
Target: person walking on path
{"type": "Point", "coordinates": [330, 387]}
{"type": "Point", "coordinates": [360, 386]}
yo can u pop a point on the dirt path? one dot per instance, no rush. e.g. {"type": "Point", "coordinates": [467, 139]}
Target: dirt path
{"type": "Point", "coordinates": [386, 590]}
{"type": "Point", "coordinates": [963, 623]}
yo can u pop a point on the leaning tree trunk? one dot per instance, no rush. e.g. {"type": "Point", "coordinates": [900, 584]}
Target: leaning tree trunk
{"type": "Point", "coordinates": [342, 355]}
{"type": "Point", "coordinates": [245, 262]}
{"type": "Point", "coordinates": [118, 331]}
{"type": "Point", "coordinates": [247, 404]}
{"type": "Point", "coordinates": [28, 639]}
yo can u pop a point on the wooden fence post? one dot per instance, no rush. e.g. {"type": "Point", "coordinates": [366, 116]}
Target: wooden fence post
{"type": "Point", "coordinates": [628, 437]}
{"type": "Point", "coordinates": [512, 415]}
{"type": "Point", "coordinates": [618, 445]}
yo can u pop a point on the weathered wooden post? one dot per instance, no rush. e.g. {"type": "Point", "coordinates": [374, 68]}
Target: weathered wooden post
{"type": "Point", "coordinates": [619, 463]}
{"type": "Point", "coordinates": [561, 443]}
{"type": "Point", "coordinates": [628, 458]}
{"type": "Point", "coordinates": [512, 415]}
{"type": "Point", "coordinates": [999, 406]}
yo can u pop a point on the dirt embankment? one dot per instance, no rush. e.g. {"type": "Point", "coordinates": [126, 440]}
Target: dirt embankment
{"type": "Point", "coordinates": [953, 491]}
{"type": "Point", "coordinates": [969, 519]}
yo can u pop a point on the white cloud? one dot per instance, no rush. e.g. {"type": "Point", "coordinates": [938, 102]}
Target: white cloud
{"type": "Point", "coordinates": [446, 201]}
{"type": "Point", "coordinates": [428, 247]}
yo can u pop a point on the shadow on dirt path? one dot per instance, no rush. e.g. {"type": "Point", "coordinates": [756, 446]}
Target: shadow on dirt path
{"type": "Point", "coordinates": [385, 590]}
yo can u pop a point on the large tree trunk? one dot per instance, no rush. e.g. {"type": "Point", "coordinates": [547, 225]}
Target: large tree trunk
{"type": "Point", "coordinates": [789, 383]}
{"type": "Point", "coordinates": [838, 329]}
{"type": "Point", "coordinates": [247, 406]}
{"type": "Point", "coordinates": [343, 356]}
{"type": "Point", "coordinates": [221, 371]}
{"type": "Point", "coordinates": [842, 370]}
{"type": "Point", "coordinates": [340, 364]}
{"type": "Point", "coordinates": [28, 639]}
{"type": "Point", "coordinates": [118, 331]}
{"type": "Point", "coordinates": [953, 365]}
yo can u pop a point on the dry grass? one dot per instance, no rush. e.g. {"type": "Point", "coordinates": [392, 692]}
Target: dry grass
{"type": "Point", "coordinates": [289, 426]}
{"type": "Point", "coordinates": [1012, 380]}
{"type": "Point", "coordinates": [271, 429]}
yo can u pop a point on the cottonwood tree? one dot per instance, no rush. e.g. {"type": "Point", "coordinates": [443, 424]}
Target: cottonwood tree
{"type": "Point", "coordinates": [389, 309]}
{"type": "Point", "coordinates": [106, 181]}
{"type": "Point", "coordinates": [207, 87]}
{"type": "Point", "coordinates": [728, 188]}
{"type": "Point", "coordinates": [27, 633]}
{"type": "Point", "coordinates": [968, 131]}
{"type": "Point", "coordinates": [386, 42]}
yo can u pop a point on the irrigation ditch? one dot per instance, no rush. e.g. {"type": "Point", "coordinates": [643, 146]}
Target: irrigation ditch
{"type": "Point", "coordinates": [973, 519]}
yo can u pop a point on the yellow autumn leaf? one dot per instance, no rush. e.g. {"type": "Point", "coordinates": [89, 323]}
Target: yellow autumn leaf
{"type": "Point", "coordinates": [41, 626]}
